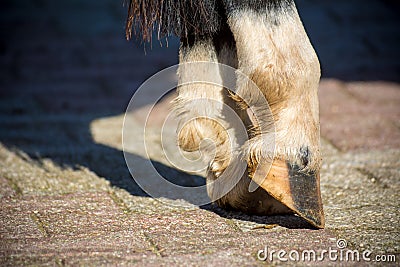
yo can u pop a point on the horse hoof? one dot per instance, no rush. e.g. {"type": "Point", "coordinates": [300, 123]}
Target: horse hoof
{"type": "Point", "coordinates": [297, 190]}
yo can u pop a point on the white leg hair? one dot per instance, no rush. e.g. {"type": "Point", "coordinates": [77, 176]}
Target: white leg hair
{"type": "Point", "coordinates": [279, 58]}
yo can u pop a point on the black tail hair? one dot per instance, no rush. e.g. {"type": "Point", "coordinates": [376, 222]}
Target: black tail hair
{"type": "Point", "coordinates": [179, 17]}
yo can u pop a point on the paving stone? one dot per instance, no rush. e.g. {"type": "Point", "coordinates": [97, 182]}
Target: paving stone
{"type": "Point", "coordinates": [149, 205]}
{"type": "Point", "coordinates": [200, 233]}
{"type": "Point", "coordinates": [231, 257]}
{"type": "Point", "coordinates": [104, 249]}
{"type": "Point", "coordinates": [381, 97]}
{"type": "Point", "coordinates": [39, 260]}
{"type": "Point", "coordinates": [16, 222]}
{"type": "Point", "coordinates": [349, 123]}
{"type": "Point", "coordinates": [78, 226]}
{"type": "Point", "coordinates": [67, 215]}
{"type": "Point", "coordinates": [356, 203]}
{"type": "Point", "coordinates": [45, 177]}
{"type": "Point", "coordinates": [6, 189]}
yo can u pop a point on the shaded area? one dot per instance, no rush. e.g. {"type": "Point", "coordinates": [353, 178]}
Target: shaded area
{"type": "Point", "coordinates": [354, 40]}
{"type": "Point", "coordinates": [287, 221]}
{"type": "Point", "coordinates": [64, 65]}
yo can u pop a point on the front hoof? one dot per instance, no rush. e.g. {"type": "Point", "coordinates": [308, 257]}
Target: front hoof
{"type": "Point", "coordinates": [296, 189]}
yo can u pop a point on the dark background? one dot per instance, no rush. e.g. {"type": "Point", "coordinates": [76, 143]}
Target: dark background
{"type": "Point", "coordinates": [78, 47]}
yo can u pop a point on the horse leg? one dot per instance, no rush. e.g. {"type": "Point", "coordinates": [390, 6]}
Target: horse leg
{"type": "Point", "coordinates": [274, 51]}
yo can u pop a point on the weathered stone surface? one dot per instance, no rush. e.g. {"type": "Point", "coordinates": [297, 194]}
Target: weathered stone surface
{"type": "Point", "coordinates": [67, 197]}
{"type": "Point", "coordinates": [354, 118]}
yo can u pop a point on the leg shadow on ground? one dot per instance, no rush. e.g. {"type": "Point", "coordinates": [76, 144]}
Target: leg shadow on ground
{"type": "Point", "coordinates": [68, 142]}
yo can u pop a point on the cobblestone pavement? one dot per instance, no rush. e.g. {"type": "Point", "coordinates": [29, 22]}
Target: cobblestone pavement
{"type": "Point", "coordinates": [66, 195]}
